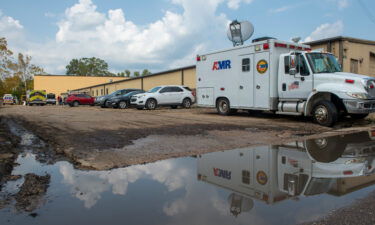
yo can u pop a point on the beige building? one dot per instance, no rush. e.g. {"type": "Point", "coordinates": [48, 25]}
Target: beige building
{"type": "Point", "coordinates": [180, 76]}
{"type": "Point", "coordinates": [59, 84]}
{"type": "Point", "coordinates": [355, 55]}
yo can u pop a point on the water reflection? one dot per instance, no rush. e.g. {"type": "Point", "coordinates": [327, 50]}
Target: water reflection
{"type": "Point", "coordinates": [334, 165]}
{"type": "Point", "coordinates": [265, 185]}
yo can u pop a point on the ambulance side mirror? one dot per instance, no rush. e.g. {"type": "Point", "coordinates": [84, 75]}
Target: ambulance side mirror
{"type": "Point", "coordinates": [292, 65]}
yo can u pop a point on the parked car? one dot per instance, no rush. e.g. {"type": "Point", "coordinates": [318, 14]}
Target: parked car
{"type": "Point", "coordinates": [79, 99]}
{"type": "Point", "coordinates": [51, 99]}
{"type": "Point", "coordinates": [170, 95]}
{"type": "Point", "coordinates": [102, 101]}
{"type": "Point", "coordinates": [122, 101]}
{"type": "Point", "coordinates": [8, 99]}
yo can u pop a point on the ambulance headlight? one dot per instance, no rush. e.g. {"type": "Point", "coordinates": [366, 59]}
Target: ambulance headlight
{"type": "Point", "coordinates": [357, 95]}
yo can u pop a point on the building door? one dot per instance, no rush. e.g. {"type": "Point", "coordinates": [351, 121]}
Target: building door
{"type": "Point", "coordinates": [246, 81]}
{"type": "Point", "coordinates": [372, 64]}
{"type": "Point", "coordinates": [261, 84]}
{"type": "Point", "coordinates": [353, 66]}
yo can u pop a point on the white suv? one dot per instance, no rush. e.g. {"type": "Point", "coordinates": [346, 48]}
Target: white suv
{"type": "Point", "coordinates": [171, 95]}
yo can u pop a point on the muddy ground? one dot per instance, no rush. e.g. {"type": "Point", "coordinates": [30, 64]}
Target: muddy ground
{"type": "Point", "coordinates": [96, 138]}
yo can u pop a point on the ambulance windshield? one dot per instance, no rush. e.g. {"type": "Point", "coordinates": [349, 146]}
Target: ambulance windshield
{"type": "Point", "coordinates": [323, 63]}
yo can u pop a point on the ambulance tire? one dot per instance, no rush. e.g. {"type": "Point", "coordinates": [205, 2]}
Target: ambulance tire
{"type": "Point", "coordinates": [326, 150]}
{"type": "Point", "coordinates": [325, 113]}
{"type": "Point", "coordinates": [223, 106]}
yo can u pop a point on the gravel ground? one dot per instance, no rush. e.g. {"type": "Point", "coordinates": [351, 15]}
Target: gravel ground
{"type": "Point", "coordinates": [362, 212]}
{"type": "Point", "coordinates": [100, 139]}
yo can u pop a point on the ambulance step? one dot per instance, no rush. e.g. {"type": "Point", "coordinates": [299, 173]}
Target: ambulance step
{"type": "Point", "coordinates": [290, 113]}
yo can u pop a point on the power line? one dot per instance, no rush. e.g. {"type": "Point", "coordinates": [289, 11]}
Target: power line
{"type": "Point", "coordinates": [367, 11]}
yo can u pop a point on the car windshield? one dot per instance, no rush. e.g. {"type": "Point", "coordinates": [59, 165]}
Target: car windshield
{"type": "Point", "coordinates": [318, 186]}
{"type": "Point", "coordinates": [155, 89]}
{"type": "Point", "coordinates": [323, 63]}
{"type": "Point", "coordinates": [132, 93]}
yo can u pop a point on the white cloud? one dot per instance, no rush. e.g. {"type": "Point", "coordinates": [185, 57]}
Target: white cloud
{"type": "Point", "coordinates": [281, 9]}
{"type": "Point", "coordinates": [174, 39]}
{"type": "Point", "coordinates": [326, 30]}
{"type": "Point", "coordinates": [342, 4]}
{"type": "Point", "coordinates": [10, 27]}
{"type": "Point", "coordinates": [235, 4]}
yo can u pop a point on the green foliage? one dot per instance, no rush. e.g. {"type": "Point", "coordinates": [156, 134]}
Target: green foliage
{"type": "Point", "coordinates": [5, 59]}
{"type": "Point", "coordinates": [136, 74]}
{"type": "Point", "coordinates": [16, 76]}
{"type": "Point", "coordinates": [145, 72]}
{"type": "Point", "coordinates": [88, 67]}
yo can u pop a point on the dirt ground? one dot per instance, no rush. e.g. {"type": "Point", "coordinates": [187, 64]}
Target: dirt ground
{"type": "Point", "coordinates": [96, 138]}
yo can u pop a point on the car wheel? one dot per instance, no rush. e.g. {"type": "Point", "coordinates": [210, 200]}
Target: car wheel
{"type": "Point", "coordinates": [75, 104]}
{"type": "Point", "coordinates": [173, 106]}
{"type": "Point", "coordinates": [151, 104]}
{"type": "Point", "coordinates": [123, 105]}
{"type": "Point", "coordinates": [325, 113]}
{"type": "Point", "coordinates": [186, 103]}
{"type": "Point", "coordinates": [359, 116]}
{"type": "Point", "coordinates": [223, 107]}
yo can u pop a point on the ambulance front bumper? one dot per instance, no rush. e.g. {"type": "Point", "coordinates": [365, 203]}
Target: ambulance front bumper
{"type": "Point", "coordinates": [359, 106]}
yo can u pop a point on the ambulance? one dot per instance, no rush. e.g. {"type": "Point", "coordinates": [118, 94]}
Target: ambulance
{"type": "Point", "coordinates": [275, 173]}
{"type": "Point", "coordinates": [281, 77]}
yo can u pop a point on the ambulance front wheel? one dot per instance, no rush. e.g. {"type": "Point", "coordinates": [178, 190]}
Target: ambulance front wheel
{"type": "Point", "coordinates": [223, 106]}
{"type": "Point", "coordinates": [325, 113]}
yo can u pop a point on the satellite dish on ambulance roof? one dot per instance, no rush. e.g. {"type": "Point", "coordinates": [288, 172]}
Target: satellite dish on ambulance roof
{"type": "Point", "coordinates": [239, 32]}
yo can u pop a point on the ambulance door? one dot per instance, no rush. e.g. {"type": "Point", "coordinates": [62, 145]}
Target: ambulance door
{"type": "Point", "coordinates": [261, 80]}
{"type": "Point", "coordinates": [246, 80]}
{"type": "Point", "coordinates": [298, 85]}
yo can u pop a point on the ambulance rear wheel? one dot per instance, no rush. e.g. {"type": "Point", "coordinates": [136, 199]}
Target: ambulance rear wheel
{"type": "Point", "coordinates": [223, 107]}
{"type": "Point", "coordinates": [325, 113]}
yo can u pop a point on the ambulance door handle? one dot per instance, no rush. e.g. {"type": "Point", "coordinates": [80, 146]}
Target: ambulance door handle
{"type": "Point", "coordinates": [241, 87]}
{"type": "Point", "coordinates": [258, 87]}
{"type": "Point", "coordinates": [284, 86]}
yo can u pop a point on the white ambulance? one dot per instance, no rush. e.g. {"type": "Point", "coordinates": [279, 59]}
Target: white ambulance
{"type": "Point", "coordinates": [282, 77]}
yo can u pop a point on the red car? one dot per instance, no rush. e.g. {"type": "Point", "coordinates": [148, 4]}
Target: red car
{"type": "Point", "coordinates": [79, 99]}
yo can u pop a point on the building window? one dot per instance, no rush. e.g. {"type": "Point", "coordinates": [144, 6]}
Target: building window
{"type": "Point", "coordinates": [106, 91]}
{"type": "Point", "coordinates": [245, 65]}
{"type": "Point", "coordinates": [354, 66]}
{"type": "Point", "coordinates": [245, 176]}
{"type": "Point", "coordinates": [97, 93]}
{"type": "Point", "coordinates": [372, 64]}
{"type": "Point", "coordinates": [101, 91]}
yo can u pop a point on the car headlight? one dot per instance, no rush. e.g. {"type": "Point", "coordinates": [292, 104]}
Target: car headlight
{"type": "Point", "coordinates": [358, 95]}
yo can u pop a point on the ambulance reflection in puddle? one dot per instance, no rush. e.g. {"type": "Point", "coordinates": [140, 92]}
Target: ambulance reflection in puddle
{"type": "Point", "coordinates": [334, 165]}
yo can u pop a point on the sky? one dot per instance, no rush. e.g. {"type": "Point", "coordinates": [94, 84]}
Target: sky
{"type": "Point", "coordinates": [165, 34]}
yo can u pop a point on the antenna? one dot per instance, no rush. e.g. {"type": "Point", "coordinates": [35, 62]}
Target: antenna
{"type": "Point", "coordinates": [296, 39]}
{"type": "Point", "coordinates": [239, 32]}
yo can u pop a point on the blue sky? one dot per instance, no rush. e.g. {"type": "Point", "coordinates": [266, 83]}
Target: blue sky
{"type": "Point", "coordinates": [164, 34]}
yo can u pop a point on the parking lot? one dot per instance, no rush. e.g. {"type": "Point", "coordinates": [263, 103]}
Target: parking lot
{"type": "Point", "coordinates": [103, 138]}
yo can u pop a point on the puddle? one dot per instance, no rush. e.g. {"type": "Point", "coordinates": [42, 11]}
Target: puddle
{"type": "Point", "coordinates": [283, 184]}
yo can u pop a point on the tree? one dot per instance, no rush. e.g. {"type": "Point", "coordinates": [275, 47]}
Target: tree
{"type": "Point", "coordinates": [26, 71]}
{"type": "Point", "coordinates": [88, 67]}
{"type": "Point", "coordinates": [5, 59]}
{"type": "Point", "coordinates": [127, 73]}
{"type": "Point", "coordinates": [145, 72]}
{"type": "Point", "coordinates": [136, 74]}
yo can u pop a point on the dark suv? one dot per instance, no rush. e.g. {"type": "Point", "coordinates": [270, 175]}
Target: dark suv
{"type": "Point", "coordinates": [102, 101]}
{"type": "Point", "coordinates": [123, 101]}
